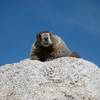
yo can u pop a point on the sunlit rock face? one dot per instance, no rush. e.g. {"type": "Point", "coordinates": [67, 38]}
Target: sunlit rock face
{"type": "Point", "coordinates": [64, 78]}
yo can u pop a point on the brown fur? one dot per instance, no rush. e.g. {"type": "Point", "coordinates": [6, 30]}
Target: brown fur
{"type": "Point", "coordinates": [54, 49]}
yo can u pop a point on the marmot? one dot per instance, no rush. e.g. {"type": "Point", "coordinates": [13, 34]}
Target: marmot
{"type": "Point", "coordinates": [49, 46]}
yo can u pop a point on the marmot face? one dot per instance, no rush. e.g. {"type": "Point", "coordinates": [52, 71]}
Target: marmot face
{"type": "Point", "coordinates": [44, 39]}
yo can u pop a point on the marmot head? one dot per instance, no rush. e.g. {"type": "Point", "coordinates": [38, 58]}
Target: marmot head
{"type": "Point", "coordinates": [44, 39]}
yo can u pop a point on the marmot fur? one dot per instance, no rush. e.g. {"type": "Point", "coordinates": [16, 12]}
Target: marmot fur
{"type": "Point", "coordinates": [49, 46]}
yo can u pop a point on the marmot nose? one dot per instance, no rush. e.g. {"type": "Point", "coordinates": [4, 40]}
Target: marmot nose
{"type": "Point", "coordinates": [46, 38]}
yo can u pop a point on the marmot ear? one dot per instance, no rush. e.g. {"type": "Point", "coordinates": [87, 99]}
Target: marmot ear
{"type": "Point", "coordinates": [38, 36]}
{"type": "Point", "coordinates": [50, 33]}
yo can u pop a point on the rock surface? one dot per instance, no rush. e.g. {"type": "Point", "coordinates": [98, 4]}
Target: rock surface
{"type": "Point", "coordinates": [61, 79]}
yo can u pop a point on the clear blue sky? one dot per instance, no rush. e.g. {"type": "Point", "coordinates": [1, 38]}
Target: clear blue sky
{"type": "Point", "coordinates": [76, 21]}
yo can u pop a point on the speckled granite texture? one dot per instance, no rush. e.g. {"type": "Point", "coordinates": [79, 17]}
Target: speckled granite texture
{"type": "Point", "coordinates": [60, 79]}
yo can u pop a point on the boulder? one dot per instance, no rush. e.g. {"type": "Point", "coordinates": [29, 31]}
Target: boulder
{"type": "Point", "coordinates": [65, 78]}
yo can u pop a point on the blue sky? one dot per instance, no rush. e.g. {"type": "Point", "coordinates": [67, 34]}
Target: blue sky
{"type": "Point", "coordinates": [76, 21]}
